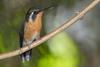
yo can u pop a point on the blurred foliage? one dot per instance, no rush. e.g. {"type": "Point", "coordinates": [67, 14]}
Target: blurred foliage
{"type": "Point", "coordinates": [1, 44]}
{"type": "Point", "coordinates": [63, 52]}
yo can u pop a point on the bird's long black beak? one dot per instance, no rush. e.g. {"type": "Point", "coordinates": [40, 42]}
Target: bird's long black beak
{"type": "Point", "coordinates": [45, 8]}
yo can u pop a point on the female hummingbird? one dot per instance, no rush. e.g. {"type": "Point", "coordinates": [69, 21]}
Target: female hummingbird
{"type": "Point", "coordinates": [30, 31]}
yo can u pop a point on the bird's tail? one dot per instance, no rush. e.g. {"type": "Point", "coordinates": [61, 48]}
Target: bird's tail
{"type": "Point", "coordinates": [26, 56]}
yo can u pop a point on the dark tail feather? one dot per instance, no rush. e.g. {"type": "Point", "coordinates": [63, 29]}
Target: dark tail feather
{"type": "Point", "coordinates": [26, 56]}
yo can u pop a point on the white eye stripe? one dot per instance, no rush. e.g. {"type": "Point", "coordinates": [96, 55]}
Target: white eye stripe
{"type": "Point", "coordinates": [30, 17]}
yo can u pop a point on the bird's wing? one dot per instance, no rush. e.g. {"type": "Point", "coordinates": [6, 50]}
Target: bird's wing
{"type": "Point", "coordinates": [21, 35]}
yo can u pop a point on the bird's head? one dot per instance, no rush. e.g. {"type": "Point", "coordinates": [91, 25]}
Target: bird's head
{"type": "Point", "coordinates": [32, 14]}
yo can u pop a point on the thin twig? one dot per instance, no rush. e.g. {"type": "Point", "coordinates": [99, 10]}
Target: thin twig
{"type": "Point", "coordinates": [48, 36]}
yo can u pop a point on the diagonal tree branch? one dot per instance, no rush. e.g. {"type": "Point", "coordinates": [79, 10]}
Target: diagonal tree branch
{"type": "Point", "coordinates": [53, 33]}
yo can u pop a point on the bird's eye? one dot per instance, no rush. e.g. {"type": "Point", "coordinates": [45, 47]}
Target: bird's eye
{"type": "Point", "coordinates": [35, 12]}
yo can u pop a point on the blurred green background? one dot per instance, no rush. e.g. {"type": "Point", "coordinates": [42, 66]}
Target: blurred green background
{"type": "Point", "coordinates": [77, 46]}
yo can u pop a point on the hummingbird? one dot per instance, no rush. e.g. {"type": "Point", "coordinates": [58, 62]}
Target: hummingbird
{"type": "Point", "coordinates": [30, 30]}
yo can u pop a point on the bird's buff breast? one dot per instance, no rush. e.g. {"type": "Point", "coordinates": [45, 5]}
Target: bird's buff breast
{"type": "Point", "coordinates": [31, 29]}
